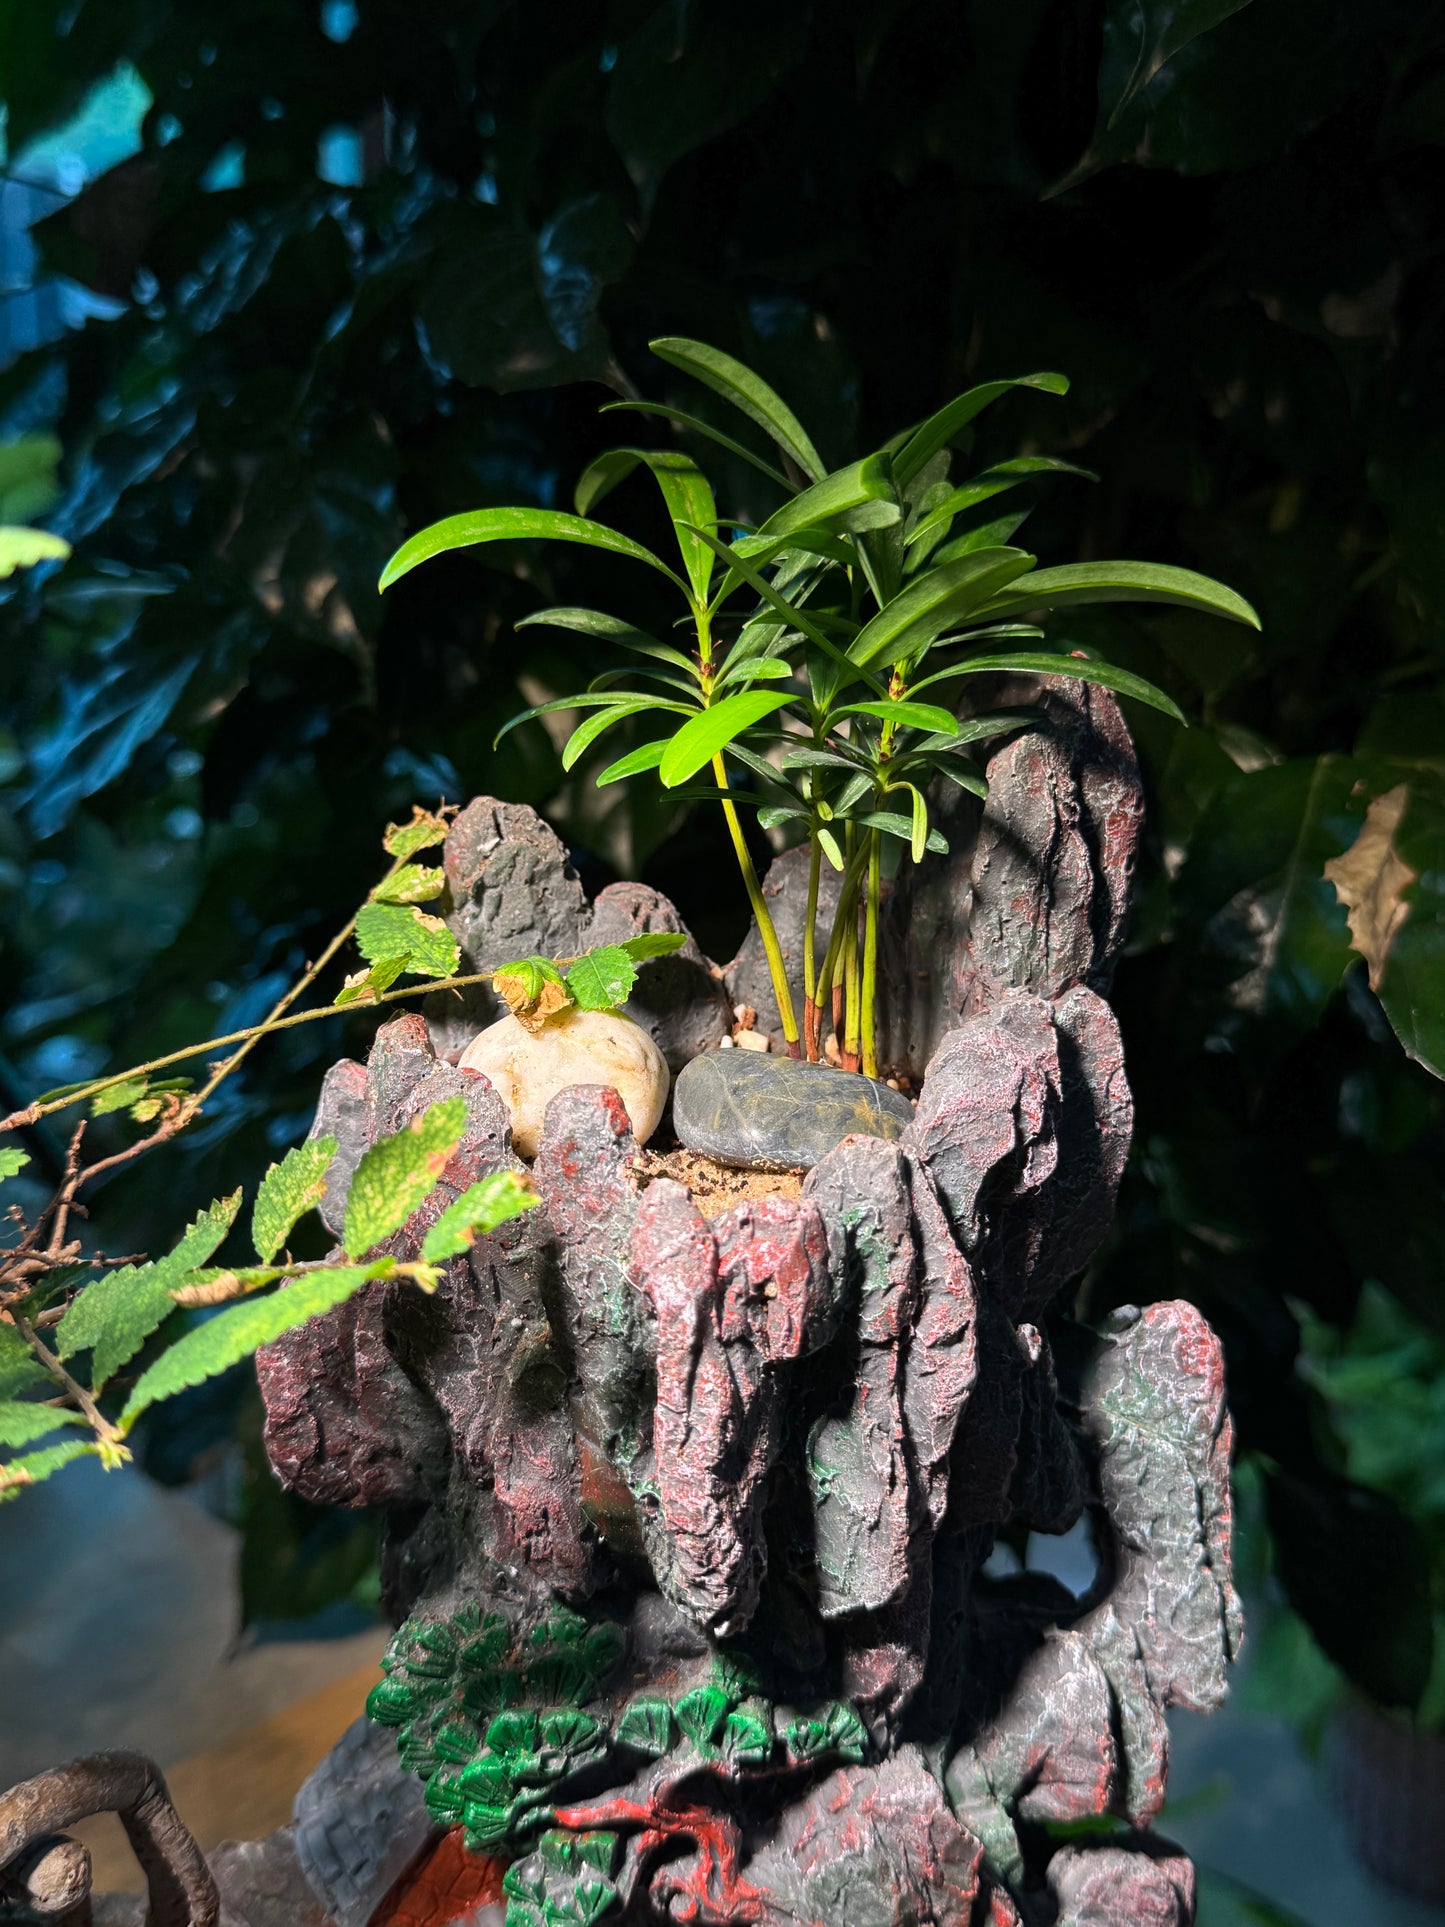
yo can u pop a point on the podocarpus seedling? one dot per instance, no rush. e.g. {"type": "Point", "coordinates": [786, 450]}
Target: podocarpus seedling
{"type": "Point", "coordinates": [857, 584]}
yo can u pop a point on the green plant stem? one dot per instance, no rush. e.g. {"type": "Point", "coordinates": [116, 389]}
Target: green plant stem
{"type": "Point", "coordinates": [772, 949]}
{"type": "Point", "coordinates": [810, 980]}
{"type": "Point", "coordinates": [18, 1119]}
{"type": "Point", "coordinates": [869, 994]}
{"type": "Point", "coordinates": [850, 995]}
{"type": "Point", "coordinates": [847, 902]}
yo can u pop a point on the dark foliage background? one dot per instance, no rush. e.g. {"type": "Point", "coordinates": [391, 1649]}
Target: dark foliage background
{"type": "Point", "coordinates": [1237, 257]}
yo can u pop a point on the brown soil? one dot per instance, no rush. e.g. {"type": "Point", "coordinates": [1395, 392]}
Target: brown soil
{"type": "Point", "coordinates": [715, 1186]}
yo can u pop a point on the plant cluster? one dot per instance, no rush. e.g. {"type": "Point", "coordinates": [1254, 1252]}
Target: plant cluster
{"type": "Point", "coordinates": [869, 591]}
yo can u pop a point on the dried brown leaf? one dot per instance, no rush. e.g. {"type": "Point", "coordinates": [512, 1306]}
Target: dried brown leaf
{"type": "Point", "coordinates": [1370, 881]}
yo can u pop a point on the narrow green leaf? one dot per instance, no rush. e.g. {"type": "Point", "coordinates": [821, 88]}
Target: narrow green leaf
{"type": "Point", "coordinates": [918, 843]}
{"type": "Point", "coordinates": [514, 525]}
{"type": "Point", "coordinates": [12, 1161]}
{"type": "Point", "coordinates": [907, 715]}
{"type": "Point", "coordinates": [654, 943]}
{"type": "Point", "coordinates": [685, 490]}
{"type": "Point", "coordinates": [793, 616]}
{"type": "Point", "coordinates": [830, 503]}
{"type": "Point", "coordinates": [591, 622]}
{"type": "Point", "coordinates": [940, 428]}
{"type": "Point", "coordinates": [113, 1317]}
{"type": "Point", "coordinates": [1040, 663]}
{"type": "Point", "coordinates": [388, 930]}
{"type": "Point", "coordinates": [634, 763]}
{"type": "Point", "coordinates": [839, 757]}
{"type": "Point", "coordinates": [35, 1467]}
{"type": "Point", "coordinates": [1122, 582]}
{"type": "Point", "coordinates": [476, 1212]}
{"type": "Point", "coordinates": [746, 391]}
{"type": "Point", "coordinates": [238, 1332]}
{"type": "Point", "coordinates": [416, 883]}
{"type": "Point", "coordinates": [988, 535]}
{"type": "Point", "coordinates": [288, 1191]}
{"type": "Point", "coordinates": [397, 1174]}
{"type": "Point", "coordinates": [831, 848]}
{"type": "Point", "coordinates": [892, 824]}
{"type": "Point", "coordinates": [701, 738]}
{"type": "Point", "coordinates": [993, 481]}
{"type": "Point", "coordinates": [926, 607]}
{"type": "Point", "coordinates": [754, 669]}
{"type": "Point", "coordinates": [22, 1422]}
{"type": "Point", "coordinates": [597, 724]}
{"type": "Point", "coordinates": [602, 979]}
{"type": "Point", "coordinates": [699, 427]}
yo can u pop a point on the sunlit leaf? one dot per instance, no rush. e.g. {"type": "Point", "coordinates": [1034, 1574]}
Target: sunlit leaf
{"type": "Point", "coordinates": [514, 525]}
{"type": "Point", "coordinates": [700, 739]}
{"type": "Point", "coordinates": [1039, 662]}
{"type": "Point", "coordinates": [685, 490]}
{"type": "Point", "coordinates": [389, 930]}
{"type": "Point", "coordinates": [747, 391]}
{"type": "Point", "coordinates": [940, 428]}
{"type": "Point", "coordinates": [288, 1191]}
{"type": "Point", "coordinates": [399, 1173]}
{"type": "Point", "coordinates": [591, 622]}
{"type": "Point", "coordinates": [1081, 582]}
{"type": "Point", "coordinates": [476, 1212]}
{"type": "Point", "coordinates": [948, 594]}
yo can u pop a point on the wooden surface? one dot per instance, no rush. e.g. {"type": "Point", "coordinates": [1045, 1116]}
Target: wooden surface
{"type": "Point", "coordinates": [242, 1790]}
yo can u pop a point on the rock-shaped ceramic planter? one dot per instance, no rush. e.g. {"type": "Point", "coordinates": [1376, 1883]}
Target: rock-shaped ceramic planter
{"type": "Point", "coordinates": [689, 1520]}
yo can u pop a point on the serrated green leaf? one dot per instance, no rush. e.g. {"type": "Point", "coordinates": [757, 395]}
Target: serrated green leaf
{"type": "Point", "coordinates": [397, 1174]}
{"type": "Point", "coordinates": [477, 1211]}
{"type": "Point", "coordinates": [746, 391]}
{"type": "Point", "coordinates": [701, 738]}
{"type": "Point", "coordinates": [514, 525]}
{"type": "Point", "coordinates": [236, 1333]}
{"type": "Point", "coordinates": [365, 986]}
{"type": "Point", "coordinates": [22, 1421]}
{"type": "Point", "coordinates": [12, 1161]}
{"type": "Point", "coordinates": [602, 979]}
{"type": "Point", "coordinates": [114, 1317]}
{"type": "Point", "coordinates": [653, 943]}
{"type": "Point", "coordinates": [23, 548]}
{"type": "Point", "coordinates": [288, 1191]}
{"type": "Point", "coordinates": [388, 930]}
{"type": "Point", "coordinates": [36, 1467]}
{"type": "Point", "coordinates": [118, 1097]}
{"type": "Point", "coordinates": [405, 839]}
{"type": "Point", "coordinates": [19, 1367]}
{"type": "Point", "coordinates": [416, 883]}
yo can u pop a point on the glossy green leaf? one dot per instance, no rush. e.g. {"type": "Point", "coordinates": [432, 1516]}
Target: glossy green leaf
{"type": "Point", "coordinates": [685, 490]}
{"type": "Point", "coordinates": [603, 700]}
{"type": "Point", "coordinates": [1039, 662]}
{"type": "Point", "coordinates": [746, 391]}
{"type": "Point", "coordinates": [701, 738]}
{"type": "Point", "coordinates": [795, 617]}
{"type": "Point", "coordinates": [994, 481]}
{"type": "Point", "coordinates": [988, 535]}
{"type": "Point", "coordinates": [940, 428]}
{"type": "Point", "coordinates": [399, 1173]}
{"type": "Point", "coordinates": [113, 1317]}
{"type": "Point", "coordinates": [907, 715]}
{"type": "Point", "coordinates": [700, 427]}
{"type": "Point", "coordinates": [928, 606]}
{"type": "Point", "coordinates": [239, 1331]}
{"type": "Point", "coordinates": [478, 1211]}
{"type": "Point", "coordinates": [597, 724]}
{"type": "Point", "coordinates": [513, 525]}
{"type": "Point", "coordinates": [754, 669]}
{"type": "Point", "coordinates": [831, 503]}
{"type": "Point", "coordinates": [1081, 582]}
{"type": "Point", "coordinates": [591, 622]}
{"type": "Point", "coordinates": [892, 824]}
{"type": "Point", "coordinates": [288, 1191]}
{"type": "Point", "coordinates": [648, 756]}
